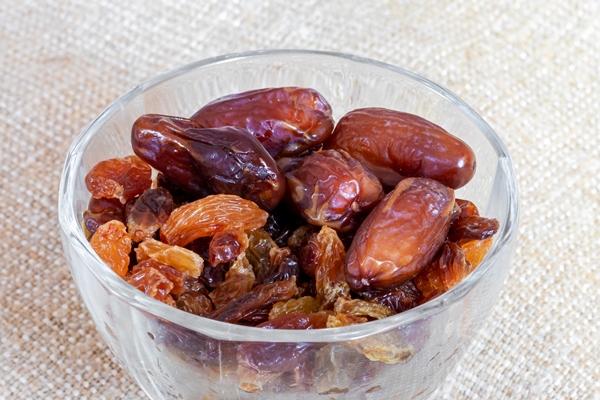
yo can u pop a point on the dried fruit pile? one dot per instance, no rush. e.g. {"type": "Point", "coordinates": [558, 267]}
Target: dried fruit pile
{"type": "Point", "coordinates": [262, 214]}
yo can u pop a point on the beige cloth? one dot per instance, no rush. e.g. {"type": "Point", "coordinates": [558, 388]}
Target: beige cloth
{"type": "Point", "coordinates": [531, 68]}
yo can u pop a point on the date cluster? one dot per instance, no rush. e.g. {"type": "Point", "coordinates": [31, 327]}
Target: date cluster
{"type": "Point", "coordinates": [260, 210]}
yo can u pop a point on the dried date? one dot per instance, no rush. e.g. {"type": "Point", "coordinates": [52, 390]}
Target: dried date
{"type": "Point", "coordinates": [396, 145]}
{"type": "Point", "coordinates": [202, 161]}
{"type": "Point", "coordinates": [330, 188]}
{"type": "Point", "coordinates": [287, 120]}
{"type": "Point", "coordinates": [401, 236]}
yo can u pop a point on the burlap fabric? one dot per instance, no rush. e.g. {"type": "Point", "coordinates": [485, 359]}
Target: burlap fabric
{"type": "Point", "coordinates": [531, 68]}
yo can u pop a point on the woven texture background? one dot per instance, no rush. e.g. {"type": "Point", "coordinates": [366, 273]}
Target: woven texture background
{"type": "Point", "coordinates": [531, 68]}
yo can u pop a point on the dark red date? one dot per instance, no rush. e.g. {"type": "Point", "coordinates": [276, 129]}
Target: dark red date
{"type": "Point", "coordinates": [330, 188]}
{"type": "Point", "coordinates": [395, 145]}
{"type": "Point", "coordinates": [201, 161]}
{"type": "Point", "coordinates": [400, 236]}
{"type": "Point", "coordinates": [287, 120]}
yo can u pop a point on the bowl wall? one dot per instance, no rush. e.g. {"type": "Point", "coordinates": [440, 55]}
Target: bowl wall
{"type": "Point", "coordinates": [172, 354]}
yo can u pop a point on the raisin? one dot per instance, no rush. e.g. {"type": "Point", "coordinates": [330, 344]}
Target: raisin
{"type": "Point", "coordinates": [113, 245]}
{"type": "Point", "coordinates": [475, 250]}
{"type": "Point", "coordinates": [402, 298]}
{"type": "Point", "coordinates": [286, 121]}
{"type": "Point", "coordinates": [238, 281]}
{"type": "Point", "coordinates": [212, 277]}
{"type": "Point", "coordinates": [281, 224]}
{"type": "Point", "coordinates": [148, 213]}
{"type": "Point", "coordinates": [282, 267]}
{"type": "Point", "coordinates": [330, 188]}
{"type": "Point", "coordinates": [259, 363]}
{"type": "Point", "coordinates": [194, 285]}
{"type": "Point", "coordinates": [176, 277]}
{"type": "Point", "coordinates": [264, 295]}
{"type": "Point", "coordinates": [330, 278]}
{"type": "Point", "coordinates": [259, 250]}
{"type": "Point", "coordinates": [209, 216]}
{"type": "Point", "coordinates": [180, 196]}
{"type": "Point", "coordinates": [226, 246]}
{"type": "Point", "coordinates": [447, 270]}
{"type": "Point", "coordinates": [202, 161]}
{"type": "Point", "coordinates": [361, 308]}
{"type": "Point", "coordinates": [100, 211]}
{"type": "Point", "coordinates": [401, 236]}
{"type": "Point", "coordinates": [390, 347]}
{"type": "Point", "coordinates": [341, 319]}
{"type": "Point", "coordinates": [195, 303]}
{"type": "Point", "coordinates": [177, 257]}
{"type": "Point", "coordinates": [306, 304]}
{"type": "Point", "coordinates": [472, 228]}
{"type": "Point", "coordinates": [153, 282]}
{"type": "Point", "coordinates": [467, 208]}
{"type": "Point", "coordinates": [395, 145]}
{"type": "Point", "coordinates": [121, 178]}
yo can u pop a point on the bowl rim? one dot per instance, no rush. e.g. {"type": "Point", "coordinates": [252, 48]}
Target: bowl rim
{"type": "Point", "coordinates": [73, 233]}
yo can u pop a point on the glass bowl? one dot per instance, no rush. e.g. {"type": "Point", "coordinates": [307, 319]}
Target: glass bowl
{"type": "Point", "coordinates": [173, 354]}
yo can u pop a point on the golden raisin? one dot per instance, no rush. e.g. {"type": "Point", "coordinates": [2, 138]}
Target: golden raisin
{"type": "Point", "coordinates": [181, 259]}
{"type": "Point", "coordinates": [113, 245]}
{"type": "Point", "coordinates": [447, 270]}
{"type": "Point", "coordinates": [361, 308]}
{"type": "Point", "coordinates": [306, 304]}
{"type": "Point", "coordinates": [122, 178]}
{"type": "Point", "coordinates": [475, 250]}
{"type": "Point", "coordinates": [329, 273]}
{"type": "Point", "coordinates": [209, 216]}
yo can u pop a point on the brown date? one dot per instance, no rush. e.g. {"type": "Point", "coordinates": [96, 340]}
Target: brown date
{"type": "Point", "coordinates": [401, 235]}
{"type": "Point", "coordinates": [395, 145]}
{"type": "Point", "coordinates": [202, 161]}
{"type": "Point", "coordinates": [286, 120]}
{"type": "Point", "coordinates": [330, 188]}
